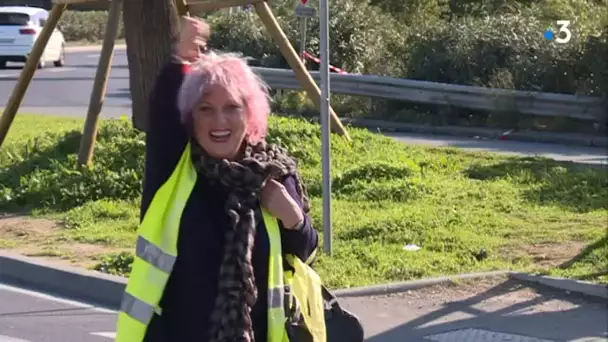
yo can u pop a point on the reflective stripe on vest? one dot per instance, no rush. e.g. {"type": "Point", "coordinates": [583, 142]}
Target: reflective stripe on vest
{"type": "Point", "coordinates": [156, 252]}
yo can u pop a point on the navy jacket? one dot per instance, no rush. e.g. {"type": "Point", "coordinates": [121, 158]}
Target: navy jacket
{"type": "Point", "coordinates": [190, 293]}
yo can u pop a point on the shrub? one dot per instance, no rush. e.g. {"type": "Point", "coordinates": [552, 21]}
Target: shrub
{"type": "Point", "coordinates": [495, 43]}
{"type": "Point", "coordinates": [85, 26]}
{"type": "Point", "coordinates": [478, 52]}
{"type": "Point", "coordinates": [45, 175]}
{"type": "Point", "coordinates": [119, 264]}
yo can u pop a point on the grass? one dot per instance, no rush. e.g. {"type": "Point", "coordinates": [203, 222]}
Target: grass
{"type": "Point", "coordinates": [468, 211]}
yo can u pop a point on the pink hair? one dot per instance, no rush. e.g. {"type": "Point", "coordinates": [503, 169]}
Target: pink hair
{"type": "Point", "coordinates": [232, 73]}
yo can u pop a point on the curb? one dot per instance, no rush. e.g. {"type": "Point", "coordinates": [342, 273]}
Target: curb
{"type": "Point", "coordinates": [378, 290]}
{"type": "Point", "coordinates": [107, 290]}
{"type": "Point", "coordinates": [91, 48]}
{"type": "Point", "coordinates": [64, 281]}
{"type": "Point", "coordinates": [570, 285]}
{"type": "Point", "coordinates": [480, 132]}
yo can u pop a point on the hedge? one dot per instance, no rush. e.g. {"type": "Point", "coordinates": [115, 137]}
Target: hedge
{"type": "Point", "coordinates": [496, 44]}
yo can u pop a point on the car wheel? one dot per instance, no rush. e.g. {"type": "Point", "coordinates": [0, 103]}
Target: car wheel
{"type": "Point", "coordinates": [61, 61]}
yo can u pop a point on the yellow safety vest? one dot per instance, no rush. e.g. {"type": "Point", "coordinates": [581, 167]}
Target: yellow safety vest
{"type": "Point", "coordinates": [156, 252]}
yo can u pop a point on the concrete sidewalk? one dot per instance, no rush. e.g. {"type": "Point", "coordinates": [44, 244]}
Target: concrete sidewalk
{"type": "Point", "coordinates": [482, 311]}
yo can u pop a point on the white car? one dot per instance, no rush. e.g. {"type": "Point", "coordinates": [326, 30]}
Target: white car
{"type": "Point", "coordinates": [20, 26]}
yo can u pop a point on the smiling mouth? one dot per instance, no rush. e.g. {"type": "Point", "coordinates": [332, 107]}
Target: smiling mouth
{"type": "Point", "coordinates": [220, 136]}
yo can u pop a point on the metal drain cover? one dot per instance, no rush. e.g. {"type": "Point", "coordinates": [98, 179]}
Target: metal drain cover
{"type": "Point", "coordinates": [478, 335]}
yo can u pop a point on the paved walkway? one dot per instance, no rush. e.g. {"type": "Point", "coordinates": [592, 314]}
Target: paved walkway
{"type": "Point", "coordinates": [482, 312]}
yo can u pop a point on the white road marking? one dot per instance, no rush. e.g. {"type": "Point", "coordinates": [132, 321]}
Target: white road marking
{"type": "Point", "coordinates": [54, 299]}
{"type": "Point", "coordinates": [59, 69]}
{"type": "Point", "coordinates": [111, 335]}
{"type": "Point", "coordinates": [4, 338]}
{"type": "Point", "coordinates": [17, 73]}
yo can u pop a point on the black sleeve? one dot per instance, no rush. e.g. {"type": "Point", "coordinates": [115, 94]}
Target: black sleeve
{"type": "Point", "coordinates": [166, 137]}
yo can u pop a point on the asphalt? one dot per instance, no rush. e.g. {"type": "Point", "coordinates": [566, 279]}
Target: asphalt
{"type": "Point", "coordinates": [27, 316]}
{"type": "Point", "coordinates": [490, 311]}
{"type": "Point", "coordinates": [66, 91]}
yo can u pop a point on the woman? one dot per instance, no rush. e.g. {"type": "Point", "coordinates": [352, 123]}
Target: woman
{"type": "Point", "coordinates": [211, 283]}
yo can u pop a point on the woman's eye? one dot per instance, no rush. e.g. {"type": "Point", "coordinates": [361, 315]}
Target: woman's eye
{"type": "Point", "coordinates": [234, 108]}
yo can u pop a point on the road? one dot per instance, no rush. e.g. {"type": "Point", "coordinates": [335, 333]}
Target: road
{"type": "Point", "coordinates": [27, 316]}
{"type": "Point", "coordinates": [66, 91]}
{"type": "Point", "coordinates": [496, 311]}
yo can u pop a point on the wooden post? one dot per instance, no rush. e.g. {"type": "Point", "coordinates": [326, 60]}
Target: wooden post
{"type": "Point", "coordinates": [91, 125]}
{"type": "Point", "coordinates": [308, 83]}
{"type": "Point", "coordinates": [182, 8]}
{"type": "Point", "coordinates": [28, 71]}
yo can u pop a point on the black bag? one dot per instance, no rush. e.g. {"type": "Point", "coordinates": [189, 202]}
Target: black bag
{"type": "Point", "coordinates": [340, 324]}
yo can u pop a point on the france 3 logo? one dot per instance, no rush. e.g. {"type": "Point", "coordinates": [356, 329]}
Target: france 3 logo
{"type": "Point", "coordinates": [561, 35]}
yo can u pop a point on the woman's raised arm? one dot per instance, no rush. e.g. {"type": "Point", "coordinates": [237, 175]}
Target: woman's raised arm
{"type": "Point", "coordinates": [166, 137]}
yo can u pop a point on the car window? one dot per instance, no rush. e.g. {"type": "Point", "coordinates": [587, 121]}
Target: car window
{"type": "Point", "coordinates": [42, 22]}
{"type": "Point", "coordinates": [14, 19]}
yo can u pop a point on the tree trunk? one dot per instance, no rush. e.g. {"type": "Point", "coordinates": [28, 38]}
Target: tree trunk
{"type": "Point", "coordinates": [151, 27]}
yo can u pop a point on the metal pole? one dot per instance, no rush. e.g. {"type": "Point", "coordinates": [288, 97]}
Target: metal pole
{"type": "Point", "coordinates": [291, 55]}
{"type": "Point", "coordinates": [28, 71]}
{"type": "Point", "coordinates": [325, 129]}
{"type": "Point", "coordinates": [303, 38]}
{"type": "Point", "coordinates": [91, 125]}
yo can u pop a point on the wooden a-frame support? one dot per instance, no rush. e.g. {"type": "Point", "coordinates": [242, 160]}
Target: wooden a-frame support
{"type": "Point", "coordinates": [89, 135]}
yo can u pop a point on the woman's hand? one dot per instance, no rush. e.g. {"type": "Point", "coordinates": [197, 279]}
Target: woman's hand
{"type": "Point", "coordinates": [192, 39]}
{"type": "Point", "coordinates": [281, 205]}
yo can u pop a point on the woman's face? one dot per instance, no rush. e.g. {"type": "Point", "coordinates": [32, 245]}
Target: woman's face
{"type": "Point", "coordinates": [220, 123]}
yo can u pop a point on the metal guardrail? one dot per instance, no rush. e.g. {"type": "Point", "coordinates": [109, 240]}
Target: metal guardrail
{"type": "Point", "coordinates": [525, 102]}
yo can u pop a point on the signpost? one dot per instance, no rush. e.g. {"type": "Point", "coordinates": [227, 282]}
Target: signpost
{"type": "Point", "coordinates": [304, 12]}
{"type": "Point", "coordinates": [325, 129]}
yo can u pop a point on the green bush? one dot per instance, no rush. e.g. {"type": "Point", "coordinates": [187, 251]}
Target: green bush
{"type": "Point", "coordinates": [86, 26]}
{"type": "Point", "coordinates": [43, 174]}
{"type": "Point", "coordinates": [496, 43]}
{"type": "Point", "coordinates": [119, 264]}
{"type": "Point", "coordinates": [482, 54]}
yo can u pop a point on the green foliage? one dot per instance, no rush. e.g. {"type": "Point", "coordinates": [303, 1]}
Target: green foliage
{"type": "Point", "coordinates": [42, 172]}
{"type": "Point", "coordinates": [116, 263]}
{"type": "Point", "coordinates": [481, 54]}
{"type": "Point", "coordinates": [85, 26]}
{"type": "Point", "coordinates": [489, 43]}
{"type": "Point", "coordinates": [552, 182]}
{"type": "Point", "coordinates": [386, 195]}
{"type": "Point", "coordinates": [590, 264]}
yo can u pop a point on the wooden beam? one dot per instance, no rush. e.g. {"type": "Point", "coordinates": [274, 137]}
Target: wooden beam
{"type": "Point", "coordinates": [214, 5]}
{"type": "Point", "coordinates": [28, 71]}
{"type": "Point", "coordinates": [182, 8]}
{"type": "Point", "coordinates": [308, 83]}
{"type": "Point", "coordinates": [91, 125]}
